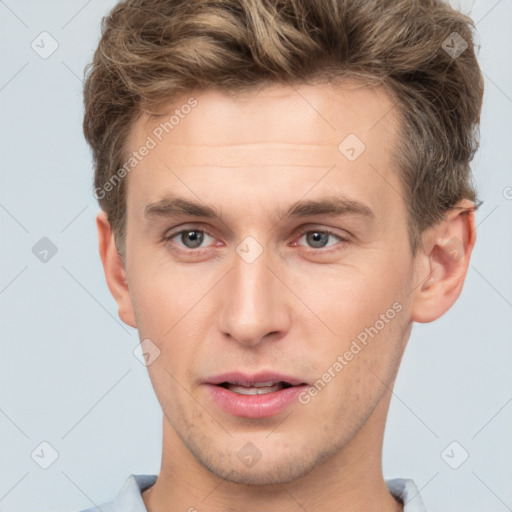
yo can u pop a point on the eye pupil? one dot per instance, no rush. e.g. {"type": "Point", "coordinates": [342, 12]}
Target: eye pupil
{"type": "Point", "coordinates": [317, 239]}
{"type": "Point", "coordinates": [196, 237]}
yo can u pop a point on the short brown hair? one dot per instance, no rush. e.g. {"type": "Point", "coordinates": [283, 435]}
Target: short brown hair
{"type": "Point", "coordinates": [152, 50]}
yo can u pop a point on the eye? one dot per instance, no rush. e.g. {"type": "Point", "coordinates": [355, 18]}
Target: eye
{"type": "Point", "coordinates": [195, 240]}
{"type": "Point", "coordinates": [318, 239]}
{"type": "Point", "coordinates": [189, 238]}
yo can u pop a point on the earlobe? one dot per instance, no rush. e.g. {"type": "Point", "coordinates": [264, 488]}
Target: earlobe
{"type": "Point", "coordinates": [114, 268]}
{"type": "Point", "coordinates": [443, 262]}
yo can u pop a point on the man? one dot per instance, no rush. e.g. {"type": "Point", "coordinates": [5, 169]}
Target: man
{"type": "Point", "coordinates": [285, 188]}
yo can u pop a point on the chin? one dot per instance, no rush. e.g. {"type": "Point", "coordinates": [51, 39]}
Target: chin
{"type": "Point", "coordinates": [277, 467]}
{"type": "Point", "coordinates": [271, 474]}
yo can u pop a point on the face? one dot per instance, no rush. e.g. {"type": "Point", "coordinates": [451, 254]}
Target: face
{"type": "Point", "coordinates": [293, 268]}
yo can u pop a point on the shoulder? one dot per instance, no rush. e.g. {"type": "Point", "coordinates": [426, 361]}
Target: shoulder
{"type": "Point", "coordinates": [129, 498]}
{"type": "Point", "coordinates": [103, 507]}
{"type": "Point", "coordinates": [406, 491]}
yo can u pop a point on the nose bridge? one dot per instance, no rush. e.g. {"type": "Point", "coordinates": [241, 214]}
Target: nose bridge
{"type": "Point", "coordinates": [252, 305]}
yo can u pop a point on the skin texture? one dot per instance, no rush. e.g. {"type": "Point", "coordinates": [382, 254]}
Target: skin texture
{"type": "Point", "coordinates": [294, 309]}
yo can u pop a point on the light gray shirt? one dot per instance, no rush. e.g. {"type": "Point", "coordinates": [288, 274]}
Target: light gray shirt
{"type": "Point", "coordinates": [130, 499]}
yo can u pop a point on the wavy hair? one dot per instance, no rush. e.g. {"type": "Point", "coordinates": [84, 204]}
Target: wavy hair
{"type": "Point", "coordinates": [152, 50]}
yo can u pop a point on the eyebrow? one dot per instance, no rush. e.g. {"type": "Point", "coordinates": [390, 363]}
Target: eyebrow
{"type": "Point", "coordinates": [174, 206]}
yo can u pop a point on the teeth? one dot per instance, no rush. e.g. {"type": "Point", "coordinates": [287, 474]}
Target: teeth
{"type": "Point", "coordinates": [264, 384]}
{"type": "Point", "coordinates": [256, 389]}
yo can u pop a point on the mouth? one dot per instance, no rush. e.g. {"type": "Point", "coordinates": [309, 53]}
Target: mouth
{"type": "Point", "coordinates": [254, 396]}
{"type": "Point", "coordinates": [258, 388]}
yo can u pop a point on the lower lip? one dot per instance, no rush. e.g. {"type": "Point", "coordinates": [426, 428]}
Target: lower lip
{"type": "Point", "coordinates": [255, 406]}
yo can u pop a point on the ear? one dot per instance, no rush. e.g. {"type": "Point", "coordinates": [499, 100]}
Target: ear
{"type": "Point", "coordinates": [114, 269]}
{"type": "Point", "coordinates": [443, 262]}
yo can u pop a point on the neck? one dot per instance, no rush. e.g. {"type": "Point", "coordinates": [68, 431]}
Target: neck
{"type": "Point", "coordinates": [351, 480]}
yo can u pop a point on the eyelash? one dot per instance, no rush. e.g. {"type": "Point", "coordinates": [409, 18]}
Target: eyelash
{"type": "Point", "coordinates": [200, 250]}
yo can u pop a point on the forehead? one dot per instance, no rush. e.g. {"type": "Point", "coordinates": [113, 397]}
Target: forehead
{"type": "Point", "coordinates": [280, 139]}
{"type": "Point", "coordinates": [298, 115]}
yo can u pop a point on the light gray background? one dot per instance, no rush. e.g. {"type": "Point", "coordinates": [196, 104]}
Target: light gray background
{"type": "Point", "coordinates": [68, 375]}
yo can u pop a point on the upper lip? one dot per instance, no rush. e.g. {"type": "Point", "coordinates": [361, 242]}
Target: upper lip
{"type": "Point", "coordinates": [245, 379]}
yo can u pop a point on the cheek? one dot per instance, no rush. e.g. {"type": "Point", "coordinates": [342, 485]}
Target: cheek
{"type": "Point", "coordinates": [367, 313]}
{"type": "Point", "coordinates": [164, 295]}
{"type": "Point", "coordinates": [349, 299]}
{"type": "Point", "coordinates": [360, 365]}
{"type": "Point", "coordinates": [168, 310]}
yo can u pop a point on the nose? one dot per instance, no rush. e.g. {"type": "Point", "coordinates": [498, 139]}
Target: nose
{"type": "Point", "coordinates": [254, 305]}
